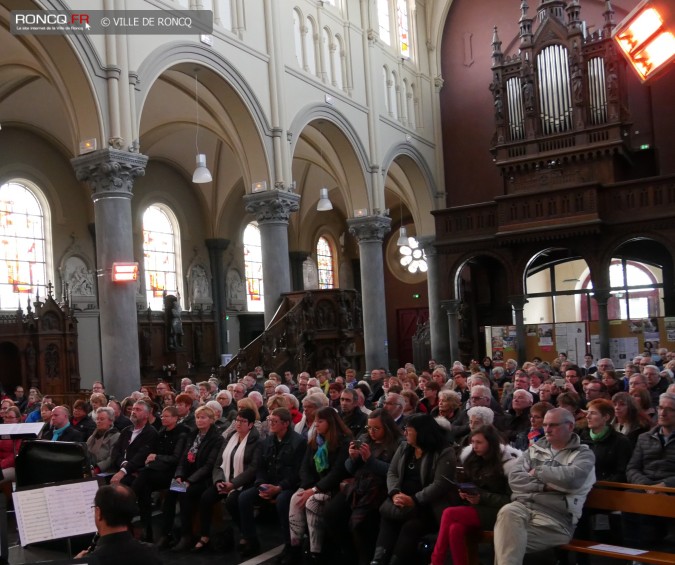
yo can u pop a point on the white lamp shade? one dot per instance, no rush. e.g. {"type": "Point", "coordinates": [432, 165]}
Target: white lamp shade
{"type": "Point", "coordinates": [201, 174]}
{"type": "Point", "coordinates": [402, 237]}
{"type": "Point", "coordinates": [324, 203]}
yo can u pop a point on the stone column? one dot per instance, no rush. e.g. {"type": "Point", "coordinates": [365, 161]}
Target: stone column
{"type": "Point", "coordinates": [452, 308]}
{"type": "Point", "coordinates": [370, 232]}
{"type": "Point", "coordinates": [518, 305]}
{"type": "Point", "coordinates": [217, 247]}
{"type": "Point", "coordinates": [601, 298]}
{"type": "Point", "coordinates": [438, 325]}
{"type": "Point", "coordinates": [297, 259]}
{"type": "Point", "coordinates": [273, 209]}
{"type": "Point", "coordinates": [110, 174]}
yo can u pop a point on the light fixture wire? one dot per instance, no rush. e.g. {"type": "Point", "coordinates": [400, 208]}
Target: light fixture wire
{"type": "Point", "coordinates": [197, 108]}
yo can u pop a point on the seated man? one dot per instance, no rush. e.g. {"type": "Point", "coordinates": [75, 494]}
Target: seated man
{"type": "Point", "coordinates": [652, 463]}
{"type": "Point", "coordinates": [550, 483]}
{"type": "Point", "coordinates": [277, 477]}
{"type": "Point", "coordinates": [134, 445]}
{"type": "Point", "coordinates": [60, 429]}
{"type": "Point", "coordinates": [114, 508]}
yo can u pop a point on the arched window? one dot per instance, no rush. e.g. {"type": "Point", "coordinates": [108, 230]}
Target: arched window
{"type": "Point", "coordinates": [325, 258]}
{"type": "Point", "coordinates": [338, 55]}
{"type": "Point", "coordinates": [383, 21]}
{"type": "Point", "coordinates": [310, 51]}
{"type": "Point", "coordinates": [297, 36]}
{"type": "Point", "coordinates": [23, 259]}
{"type": "Point", "coordinates": [403, 25]}
{"type": "Point", "coordinates": [325, 54]}
{"type": "Point", "coordinates": [255, 296]}
{"type": "Point", "coordinates": [160, 254]}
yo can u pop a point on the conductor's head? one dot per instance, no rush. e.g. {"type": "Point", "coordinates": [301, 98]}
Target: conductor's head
{"type": "Point", "coordinates": [115, 507]}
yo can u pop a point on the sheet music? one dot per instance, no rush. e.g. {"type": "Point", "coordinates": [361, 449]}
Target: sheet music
{"type": "Point", "coordinates": [56, 511]}
{"type": "Point", "coordinates": [21, 429]}
{"type": "Point", "coordinates": [31, 516]}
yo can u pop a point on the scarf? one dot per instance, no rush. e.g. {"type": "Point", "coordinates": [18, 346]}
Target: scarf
{"type": "Point", "coordinates": [600, 435]}
{"type": "Point", "coordinates": [321, 455]}
{"type": "Point", "coordinates": [238, 456]}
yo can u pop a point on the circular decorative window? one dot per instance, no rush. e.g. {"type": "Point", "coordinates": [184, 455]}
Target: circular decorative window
{"type": "Point", "coordinates": [408, 263]}
{"type": "Point", "coordinates": [413, 257]}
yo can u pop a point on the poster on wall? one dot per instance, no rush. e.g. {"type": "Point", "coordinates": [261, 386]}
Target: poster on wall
{"type": "Point", "coordinates": [670, 328]}
{"type": "Point", "coordinates": [545, 333]}
{"type": "Point", "coordinates": [651, 333]}
{"type": "Point", "coordinates": [502, 343]}
{"type": "Point", "coordinates": [570, 338]}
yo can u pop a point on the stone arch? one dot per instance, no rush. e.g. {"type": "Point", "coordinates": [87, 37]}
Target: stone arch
{"type": "Point", "coordinates": [420, 202]}
{"type": "Point", "coordinates": [359, 194]}
{"type": "Point", "coordinates": [65, 73]}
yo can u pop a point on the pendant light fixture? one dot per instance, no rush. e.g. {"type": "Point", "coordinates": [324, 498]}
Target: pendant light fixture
{"type": "Point", "coordinates": [201, 174]}
{"type": "Point", "coordinates": [402, 233]}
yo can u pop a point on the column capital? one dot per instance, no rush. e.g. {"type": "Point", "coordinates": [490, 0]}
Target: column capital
{"type": "Point", "coordinates": [369, 228]}
{"type": "Point", "coordinates": [427, 244]}
{"type": "Point", "coordinates": [272, 206]}
{"type": "Point", "coordinates": [518, 302]}
{"type": "Point", "coordinates": [110, 172]}
{"type": "Point", "coordinates": [217, 243]}
{"type": "Point", "coordinates": [601, 296]}
{"type": "Point", "coordinates": [452, 307]}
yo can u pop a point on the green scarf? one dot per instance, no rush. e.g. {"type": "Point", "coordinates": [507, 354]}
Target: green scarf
{"type": "Point", "coordinates": [600, 435]}
{"type": "Point", "coordinates": [321, 455]}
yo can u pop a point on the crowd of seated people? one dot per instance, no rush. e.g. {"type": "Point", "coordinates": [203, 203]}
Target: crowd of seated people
{"type": "Point", "coordinates": [362, 470]}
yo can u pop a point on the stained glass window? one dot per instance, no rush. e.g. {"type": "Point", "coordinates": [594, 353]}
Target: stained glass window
{"type": "Point", "coordinates": [255, 295]}
{"type": "Point", "coordinates": [383, 20]}
{"type": "Point", "coordinates": [23, 266]}
{"type": "Point", "coordinates": [326, 263]}
{"type": "Point", "coordinates": [403, 27]}
{"type": "Point", "coordinates": [413, 257]}
{"type": "Point", "coordinates": [160, 233]}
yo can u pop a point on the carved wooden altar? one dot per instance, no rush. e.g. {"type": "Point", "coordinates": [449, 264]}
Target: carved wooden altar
{"type": "Point", "coordinates": [38, 348]}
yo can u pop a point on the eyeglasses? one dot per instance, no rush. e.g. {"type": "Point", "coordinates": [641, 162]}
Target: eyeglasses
{"type": "Point", "coordinates": [273, 420]}
{"type": "Point", "coordinates": [373, 428]}
{"type": "Point", "coordinates": [666, 409]}
{"type": "Point", "coordinates": [552, 424]}
{"type": "Point", "coordinates": [241, 421]}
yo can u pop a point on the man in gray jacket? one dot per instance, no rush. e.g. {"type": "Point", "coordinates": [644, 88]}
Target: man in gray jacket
{"type": "Point", "coordinates": [549, 483]}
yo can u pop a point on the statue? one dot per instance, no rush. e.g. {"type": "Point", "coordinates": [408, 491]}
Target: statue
{"type": "Point", "coordinates": [172, 310]}
{"type": "Point", "coordinates": [528, 96]}
{"type": "Point", "coordinates": [310, 274]}
{"type": "Point", "coordinates": [236, 293]}
{"type": "Point", "coordinates": [200, 285]}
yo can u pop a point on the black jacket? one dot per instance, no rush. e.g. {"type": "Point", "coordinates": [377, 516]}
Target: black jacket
{"type": "Point", "coordinates": [170, 447]}
{"type": "Point", "coordinates": [328, 480]}
{"type": "Point", "coordinates": [86, 426]}
{"type": "Point", "coordinates": [251, 461]}
{"type": "Point", "coordinates": [134, 453]}
{"type": "Point", "coordinates": [123, 548]}
{"type": "Point", "coordinates": [280, 461]}
{"type": "Point", "coordinates": [612, 454]}
{"type": "Point", "coordinates": [201, 468]}
{"type": "Point", "coordinates": [355, 421]}
{"type": "Point", "coordinates": [69, 434]}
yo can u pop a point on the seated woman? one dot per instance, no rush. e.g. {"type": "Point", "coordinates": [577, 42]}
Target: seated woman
{"type": "Point", "coordinates": [411, 402]}
{"type": "Point", "coordinates": [96, 401]}
{"type": "Point", "coordinates": [536, 432]}
{"type": "Point", "coordinates": [612, 449]}
{"type": "Point", "coordinates": [234, 471]}
{"type": "Point", "coordinates": [629, 419]}
{"type": "Point", "coordinates": [450, 415]}
{"type": "Point", "coordinates": [486, 464]}
{"type": "Point", "coordinates": [418, 491]}
{"type": "Point", "coordinates": [323, 468]}
{"type": "Point", "coordinates": [193, 474]}
{"type": "Point", "coordinates": [9, 447]}
{"type": "Point", "coordinates": [644, 402]}
{"type": "Point", "coordinates": [101, 442]}
{"type": "Point", "coordinates": [572, 403]}
{"type": "Point", "coordinates": [81, 420]}
{"type": "Point", "coordinates": [33, 405]}
{"type": "Point", "coordinates": [356, 508]}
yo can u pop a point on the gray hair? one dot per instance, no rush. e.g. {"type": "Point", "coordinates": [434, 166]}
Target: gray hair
{"type": "Point", "coordinates": [608, 361]}
{"type": "Point", "coordinates": [106, 410]}
{"type": "Point", "coordinates": [193, 388]}
{"type": "Point", "coordinates": [448, 394]}
{"type": "Point", "coordinates": [667, 396]}
{"type": "Point", "coordinates": [217, 408]}
{"type": "Point", "coordinates": [525, 393]}
{"type": "Point", "coordinates": [226, 393]}
{"type": "Point", "coordinates": [282, 389]}
{"type": "Point", "coordinates": [565, 415]}
{"type": "Point", "coordinates": [499, 370]}
{"type": "Point", "coordinates": [256, 397]}
{"type": "Point", "coordinates": [484, 391]}
{"type": "Point", "coordinates": [316, 400]}
{"type": "Point", "coordinates": [483, 413]}
{"type": "Point", "coordinates": [315, 390]}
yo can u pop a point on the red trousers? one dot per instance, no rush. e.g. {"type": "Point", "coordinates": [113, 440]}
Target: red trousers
{"type": "Point", "coordinates": [457, 523]}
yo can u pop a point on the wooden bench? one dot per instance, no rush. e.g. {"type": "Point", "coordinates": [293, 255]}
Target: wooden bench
{"type": "Point", "coordinates": [612, 497]}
